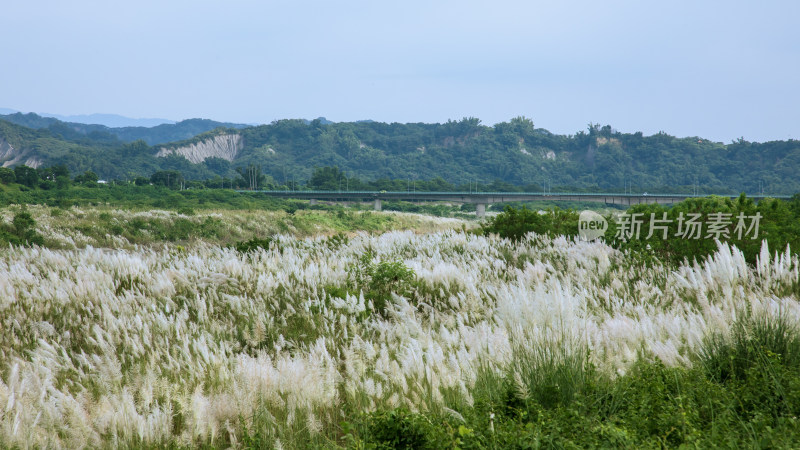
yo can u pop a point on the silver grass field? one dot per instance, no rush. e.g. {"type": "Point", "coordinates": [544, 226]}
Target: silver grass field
{"type": "Point", "coordinates": [186, 346]}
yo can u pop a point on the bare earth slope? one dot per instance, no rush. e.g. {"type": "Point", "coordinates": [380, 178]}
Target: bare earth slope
{"type": "Point", "coordinates": [225, 146]}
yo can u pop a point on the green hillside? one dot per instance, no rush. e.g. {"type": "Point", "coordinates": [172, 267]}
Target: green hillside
{"type": "Point", "coordinates": [159, 134]}
{"type": "Point", "coordinates": [459, 152]}
{"type": "Point", "coordinates": [516, 152]}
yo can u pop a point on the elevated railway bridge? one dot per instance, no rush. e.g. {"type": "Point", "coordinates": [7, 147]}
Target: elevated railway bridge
{"type": "Point", "coordinates": [481, 199]}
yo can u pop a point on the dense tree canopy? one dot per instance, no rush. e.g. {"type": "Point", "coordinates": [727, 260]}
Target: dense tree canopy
{"type": "Point", "coordinates": [458, 153]}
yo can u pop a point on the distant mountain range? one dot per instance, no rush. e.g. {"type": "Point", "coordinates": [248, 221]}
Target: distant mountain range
{"type": "Point", "coordinates": [459, 152]}
{"type": "Point", "coordinates": [153, 134]}
{"type": "Point", "coordinates": [109, 120]}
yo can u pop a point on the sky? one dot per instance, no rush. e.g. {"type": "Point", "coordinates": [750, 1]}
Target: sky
{"type": "Point", "coordinates": [715, 69]}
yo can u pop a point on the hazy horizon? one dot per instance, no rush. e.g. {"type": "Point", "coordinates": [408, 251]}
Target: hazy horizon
{"type": "Point", "coordinates": [718, 70]}
{"type": "Point", "coordinates": [149, 122]}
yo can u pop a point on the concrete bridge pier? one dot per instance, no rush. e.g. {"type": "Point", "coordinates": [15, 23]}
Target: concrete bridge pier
{"type": "Point", "coordinates": [480, 210]}
{"type": "Point", "coordinates": [312, 202]}
{"type": "Point", "coordinates": [378, 205]}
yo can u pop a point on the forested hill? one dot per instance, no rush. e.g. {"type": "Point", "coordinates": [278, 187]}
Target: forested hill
{"type": "Point", "coordinates": [459, 152]}
{"type": "Point", "coordinates": [159, 134]}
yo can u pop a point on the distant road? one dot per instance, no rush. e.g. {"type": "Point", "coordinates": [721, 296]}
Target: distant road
{"type": "Point", "coordinates": [481, 199]}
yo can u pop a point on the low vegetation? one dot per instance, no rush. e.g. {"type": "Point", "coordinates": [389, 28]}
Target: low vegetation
{"type": "Point", "coordinates": [104, 226]}
{"type": "Point", "coordinates": [456, 155]}
{"type": "Point", "coordinates": [437, 340]}
{"type": "Point", "coordinates": [778, 223]}
{"type": "Point", "coordinates": [232, 320]}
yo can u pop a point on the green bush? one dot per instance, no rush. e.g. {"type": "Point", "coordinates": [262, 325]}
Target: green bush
{"type": "Point", "coordinates": [515, 223]}
{"type": "Point", "coordinates": [22, 230]}
{"type": "Point", "coordinates": [23, 223]}
{"type": "Point", "coordinates": [336, 241]}
{"type": "Point", "coordinates": [379, 281]}
{"type": "Point", "coordinates": [401, 429]}
{"type": "Point", "coordinates": [779, 225]}
{"type": "Point", "coordinates": [388, 277]}
{"type": "Point", "coordinates": [255, 244]}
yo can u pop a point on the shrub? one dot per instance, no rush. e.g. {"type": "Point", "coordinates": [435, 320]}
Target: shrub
{"type": "Point", "coordinates": [22, 230]}
{"type": "Point", "coordinates": [386, 278]}
{"type": "Point", "coordinates": [401, 429]}
{"type": "Point", "coordinates": [379, 281]}
{"type": "Point", "coordinates": [23, 222]}
{"type": "Point", "coordinates": [254, 244]}
{"type": "Point", "coordinates": [337, 240]}
{"type": "Point", "coordinates": [515, 223]}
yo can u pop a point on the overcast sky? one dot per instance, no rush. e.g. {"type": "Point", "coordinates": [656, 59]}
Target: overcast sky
{"type": "Point", "coordinates": [717, 69]}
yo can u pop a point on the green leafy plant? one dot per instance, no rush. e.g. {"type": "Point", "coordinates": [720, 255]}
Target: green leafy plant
{"type": "Point", "coordinates": [255, 244]}
{"type": "Point", "coordinates": [379, 281]}
{"type": "Point", "coordinates": [22, 230]}
{"type": "Point", "coordinates": [402, 429]}
{"type": "Point", "coordinates": [515, 223]}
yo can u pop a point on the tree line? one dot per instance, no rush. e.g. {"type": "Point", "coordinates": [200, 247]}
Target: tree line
{"type": "Point", "coordinates": [460, 153]}
{"type": "Point", "coordinates": [249, 177]}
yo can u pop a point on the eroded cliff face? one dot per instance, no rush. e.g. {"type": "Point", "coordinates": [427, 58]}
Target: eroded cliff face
{"type": "Point", "coordinates": [6, 150]}
{"type": "Point", "coordinates": [10, 156]}
{"type": "Point", "coordinates": [225, 146]}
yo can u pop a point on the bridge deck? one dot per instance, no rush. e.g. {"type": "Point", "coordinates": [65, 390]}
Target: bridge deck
{"type": "Point", "coordinates": [484, 198]}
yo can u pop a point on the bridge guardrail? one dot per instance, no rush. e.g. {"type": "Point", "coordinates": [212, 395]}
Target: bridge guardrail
{"type": "Point", "coordinates": [500, 193]}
